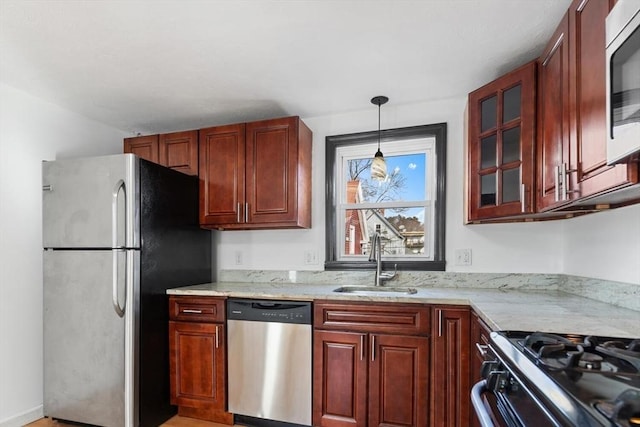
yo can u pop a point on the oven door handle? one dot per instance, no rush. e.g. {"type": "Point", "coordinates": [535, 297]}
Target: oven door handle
{"type": "Point", "coordinates": [478, 404]}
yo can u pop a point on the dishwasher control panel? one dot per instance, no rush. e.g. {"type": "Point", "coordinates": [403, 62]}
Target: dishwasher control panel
{"type": "Point", "coordinates": [269, 310]}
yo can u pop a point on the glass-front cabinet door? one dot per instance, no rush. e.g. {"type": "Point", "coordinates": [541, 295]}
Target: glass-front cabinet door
{"type": "Point", "coordinates": [501, 135]}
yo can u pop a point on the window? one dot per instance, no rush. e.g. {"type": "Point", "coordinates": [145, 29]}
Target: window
{"type": "Point", "coordinates": [407, 209]}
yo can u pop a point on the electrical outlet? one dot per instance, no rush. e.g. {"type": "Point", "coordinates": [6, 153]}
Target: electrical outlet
{"type": "Point", "coordinates": [238, 257]}
{"type": "Point", "coordinates": [311, 257]}
{"type": "Point", "coordinates": [463, 257]}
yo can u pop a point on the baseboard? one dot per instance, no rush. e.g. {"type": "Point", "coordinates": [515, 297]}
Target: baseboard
{"type": "Point", "coordinates": [24, 418]}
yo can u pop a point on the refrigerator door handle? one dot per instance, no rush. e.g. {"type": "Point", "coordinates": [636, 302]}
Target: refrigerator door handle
{"type": "Point", "coordinates": [115, 248]}
{"type": "Point", "coordinates": [120, 185]}
{"type": "Point", "coordinates": [116, 303]}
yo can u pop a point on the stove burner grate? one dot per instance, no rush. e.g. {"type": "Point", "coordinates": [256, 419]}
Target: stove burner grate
{"type": "Point", "coordinates": [586, 354]}
{"type": "Point", "coordinates": [624, 410]}
{"type": "Point", "coordinates": [630, 353]}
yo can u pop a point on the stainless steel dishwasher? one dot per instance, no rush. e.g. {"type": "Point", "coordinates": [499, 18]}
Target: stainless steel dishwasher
{"type": "Point", "coordinates": [269, 361]}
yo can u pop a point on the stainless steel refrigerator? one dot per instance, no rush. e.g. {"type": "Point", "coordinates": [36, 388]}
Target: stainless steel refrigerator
{"type": "Point", "coordinates": [117, 232]}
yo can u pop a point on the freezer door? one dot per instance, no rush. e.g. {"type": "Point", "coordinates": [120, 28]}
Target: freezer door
{"type": "Point", "coordinates": [91, 202]}
{"type": "Point", "coordinates": [89, 348]}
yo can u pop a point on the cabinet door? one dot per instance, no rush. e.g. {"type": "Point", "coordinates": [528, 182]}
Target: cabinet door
{"type": "Point", "coordinates": [339, 379]}
{"type": "Point", "coordinates": [588, 109]}
{"type": "Point", "coordinates": [221, 172]}
{"type": "Point", "coordinates": [278, 173]}
{"type": "Point", "coordinates": [451, 388]}
{"type": "Point", "coordinates": [197, 363]}
{"type": "Point", "coordinates": [501, 146]}
{"type": "Point", "coordinates": [553, 120]}
{"type": "Point", "coordinates": [145, 147]}
{"type": "Point", "coordinates": [398, 381]}
{"type": "Point", "coordinates": [179, 151]}
{"type": "Point", "coordinates": [479, 335]}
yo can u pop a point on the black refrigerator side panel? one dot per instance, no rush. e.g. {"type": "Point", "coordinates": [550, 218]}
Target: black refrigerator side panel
{"type": "Point", "coordinates": [175, 252]}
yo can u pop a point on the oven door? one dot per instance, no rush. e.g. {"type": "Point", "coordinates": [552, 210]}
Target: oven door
{"type": "Point", "coordinates": [488, 409]}
{"type": "Point", "coordinates": [511, 406]}
{"type": "Point", "coordinates": [623, 81]}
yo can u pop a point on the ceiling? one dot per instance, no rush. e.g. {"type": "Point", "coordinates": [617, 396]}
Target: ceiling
{"type": "Point", "coordinates": [159, 66]}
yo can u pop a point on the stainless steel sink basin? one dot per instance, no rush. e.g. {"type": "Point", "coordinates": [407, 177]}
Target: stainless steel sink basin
{"type": "Point", "coordinates": [363, 290]}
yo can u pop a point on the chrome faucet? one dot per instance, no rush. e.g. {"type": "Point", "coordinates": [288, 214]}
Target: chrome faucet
{"type": "Point", "coordinates": [376, 255]}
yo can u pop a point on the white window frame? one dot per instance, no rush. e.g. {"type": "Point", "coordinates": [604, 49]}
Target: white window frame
{"type": "Point", "coordinates": [425, 146]}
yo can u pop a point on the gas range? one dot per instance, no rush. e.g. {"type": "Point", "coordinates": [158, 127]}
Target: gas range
{"type": "Point", "coordinates": [559, 380]}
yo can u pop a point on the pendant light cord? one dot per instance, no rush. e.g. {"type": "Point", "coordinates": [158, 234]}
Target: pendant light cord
{"type": "Point", "coordinates": [379, 127]}
{"type": "Point", "coordinates": [379, 100]}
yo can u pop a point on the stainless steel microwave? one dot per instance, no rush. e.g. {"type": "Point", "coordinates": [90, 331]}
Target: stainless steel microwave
{"type": "Point", "coordinates": [623, 81]}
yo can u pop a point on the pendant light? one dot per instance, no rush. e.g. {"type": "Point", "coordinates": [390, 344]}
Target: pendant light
{"type": "Point", "coordinates": [379, 166]}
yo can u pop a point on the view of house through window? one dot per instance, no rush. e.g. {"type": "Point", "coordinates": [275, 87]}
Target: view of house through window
{"type": "Point", "coordinates": [403, 207]}
{"type": "Point", "coordinates": [398, 206]}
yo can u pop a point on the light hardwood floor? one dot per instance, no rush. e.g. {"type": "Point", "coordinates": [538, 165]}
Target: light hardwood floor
{"type": "Point", "coordinates": [176, 421]}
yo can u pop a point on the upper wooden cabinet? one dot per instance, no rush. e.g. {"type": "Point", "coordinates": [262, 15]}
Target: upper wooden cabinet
{"type": "Point", "coordinates": [145, 147]}
{"type": "Point", "coordinates": [572, 153]}
{"type": "Point", "coordinates": [570, 163]}
{"type": "Point", "coordinates": [587, 78]}
{"type": "Point", "coordinates": [501, 141]}
{"type": "Point", "coordinates": [553, 150]}
{"type": "Point", "coordinates": [177, 150]}
{"type": "Point", "coordinates": [256, 175]}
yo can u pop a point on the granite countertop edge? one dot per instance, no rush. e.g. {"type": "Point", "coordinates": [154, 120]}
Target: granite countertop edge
{"type": "Point", "coordinates": [500, 309]}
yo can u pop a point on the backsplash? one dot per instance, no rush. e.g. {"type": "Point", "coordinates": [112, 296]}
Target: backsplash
{"type": "Point", "coordinates": [617, 293]}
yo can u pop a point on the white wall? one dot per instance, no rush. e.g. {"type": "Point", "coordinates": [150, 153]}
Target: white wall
{"type": "Point", "coordinates": [605, 245]}
{"type": "Point", "coordinates": [30, 131]}
{"type": "Point", "coordinates": [515, 248]}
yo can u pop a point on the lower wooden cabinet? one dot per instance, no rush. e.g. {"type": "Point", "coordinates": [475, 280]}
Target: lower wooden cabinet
{"type": "Point", "coordinates": [198, 358]}
{"type": "Point", "coordinates": [375, 364]}
{"type": "Point", "coordinates": [450, 358]}
{"type": "Point", "coordinates": [340, 379]}
{"type": "Point", "coordinates": [364, 378]}
{"type": "Point", "coordinates": [479, 335]}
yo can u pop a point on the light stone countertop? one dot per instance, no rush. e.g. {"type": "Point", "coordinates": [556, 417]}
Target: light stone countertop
{"type": "Point", "coordinates": [501, 309]}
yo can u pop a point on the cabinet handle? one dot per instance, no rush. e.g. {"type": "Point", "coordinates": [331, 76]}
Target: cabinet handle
{"type": "Point", "coordinates": [246, 212]}
{"type": "Point", "coordinates": [439, 323]}
{"type": "Point", "coordinates": [523, 202]}
{"type": "Point", "coordinates": [557, 182]}
{"type": "Point", "coordinates": [217, 341]}
{"type": "Point", "coordinates": [565, 174]}
{"type": "Point", "coordinates": [238, 212]}
{"type": "Point", "coordinates": [361, 347]}
{"type": "Point", "coordinates": [189, 310]}
{"type": "Point", "coordinates": [482, 349]}
{"type": "Point", "coordinates": [373, 348]}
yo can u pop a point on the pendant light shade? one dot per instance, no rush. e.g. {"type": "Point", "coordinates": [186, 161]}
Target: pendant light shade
{"type": "Point", "coordinates": [379, 165]}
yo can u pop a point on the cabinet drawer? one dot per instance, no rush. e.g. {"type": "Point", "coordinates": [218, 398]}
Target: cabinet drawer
{"type": "Point", "coordinates": [197, 309]}
{"type": "Point", "coordinates": [410, 319]}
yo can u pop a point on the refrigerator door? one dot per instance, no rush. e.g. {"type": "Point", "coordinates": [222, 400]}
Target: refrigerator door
{"type": "Point", "coordinates": [91, 202]}
{"type": "Point", "coordinates": [90, 350]}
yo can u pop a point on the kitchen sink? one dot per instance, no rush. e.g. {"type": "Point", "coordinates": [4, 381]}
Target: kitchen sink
{"type": "Point", "coordinates": [363, 290]}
